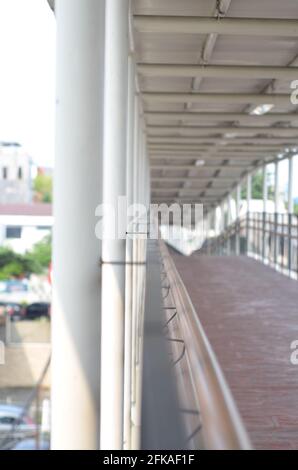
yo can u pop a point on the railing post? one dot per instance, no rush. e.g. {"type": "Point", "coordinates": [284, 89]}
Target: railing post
{"type": "Point", "coordinates": [114, 250]}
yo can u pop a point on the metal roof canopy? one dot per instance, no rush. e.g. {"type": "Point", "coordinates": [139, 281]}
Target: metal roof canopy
{"type": "Point", "coordinates": [202, 70]}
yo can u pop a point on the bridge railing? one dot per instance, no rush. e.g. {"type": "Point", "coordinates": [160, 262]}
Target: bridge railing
{"type": "Point", "coordinates": [269, 237]}
{"type": "Point", "coordinates": [201, 382]}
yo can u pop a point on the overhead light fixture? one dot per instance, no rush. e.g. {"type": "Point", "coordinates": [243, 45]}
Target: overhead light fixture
{"type": "Point", "coordinates": [200, 162]}
{"type": "Point", "coordinates": [262, 109]}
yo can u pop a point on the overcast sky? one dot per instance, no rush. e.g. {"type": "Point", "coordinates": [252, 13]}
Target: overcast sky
{"type": "Point", "coordinates": [27, 76]}
{"type": "Point", "coordinates": [27, 79]}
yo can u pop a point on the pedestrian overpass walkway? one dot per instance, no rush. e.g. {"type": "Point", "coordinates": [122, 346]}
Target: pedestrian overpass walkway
{"type": "Point", "coordinates": [249, 313]}
{"type": "Point", "coordinates": [188, 105]}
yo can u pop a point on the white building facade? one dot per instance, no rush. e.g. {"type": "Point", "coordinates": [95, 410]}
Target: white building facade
{"type": "Point", "coordinates": [24, 225]}
{"type": "Point", "coordinates": [15, 174]}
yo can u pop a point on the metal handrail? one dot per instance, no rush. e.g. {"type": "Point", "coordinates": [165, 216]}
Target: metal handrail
{"type": "Point", "coordinates": [222, 426]}
{"type": "Point", "coordinates": [269, 237]}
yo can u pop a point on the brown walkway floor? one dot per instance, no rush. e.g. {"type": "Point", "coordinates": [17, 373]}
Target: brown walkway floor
{"type": "Point", "coordinates": [250, 315]}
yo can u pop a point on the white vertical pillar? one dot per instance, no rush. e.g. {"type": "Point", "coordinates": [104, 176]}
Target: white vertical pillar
{"type": "Point", "coordinates": [135, 436]}
{"type": "Point", "coordinates": [132, 125]}
{"type": "Point", "coordinates": [219, 220]}
{"type": "Point", "coordinates": [229, 203]}
{"type": "Point", "coordinates": [265, 189]}
{"type": "Point", "coordinates": [248, 216]}
{"type": "Point", "coordinates": [276, 209]}
{"type": "Point", "coordinates": [265, 204]}
{"type": "Point", "coordinates": [137, 405]}
{"type": "Point", "coordinates": [206, 225]}
{"type": "Point", "coordinates": [135, 251]}
{"type": "Point", "coordinates": [276, 188]}
{"type": "Point", "coordinates": [290, 186]}
{"type": "Point", "coordinates": [223, 223]}
{"type": "Point", "coordinates": [238, 202]}
{"type": "Point", "coordinates": [113, 251]}
{"type": "Point", "coordinates": [248, 192]}
{"type": "Point", "coordinates": [76, 251]}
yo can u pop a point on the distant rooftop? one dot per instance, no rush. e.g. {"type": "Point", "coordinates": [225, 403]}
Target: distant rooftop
{"type": "Point", "coordinates": [26, 209]}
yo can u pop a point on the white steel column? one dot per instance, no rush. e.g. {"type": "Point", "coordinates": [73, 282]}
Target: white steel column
{"type": "Point", "coordinates": [276, 188]}
{"type": "Point", "coordinates": [248, 192]}
{"type": "Point", "coordinates": [76, 251]}
{"type": "Point", "coordinates": [223, 217]}
{"type": "Point", "coordinates": [276, 209]}
{"type": "Point", "coordinates": [135, 435]}
{"type": "Point", "coordinates": [113, 251]}
{"type": "Point", "coordinates": [265, 203]}
{"type": "Point", "coordinates": [229, 200]}
{"type": "Point", "coordinates": [238, 202]}
{"type": "Point", "coordinates": [132, 127]}
{"type": "Point", "coordinates": [218, 214]}
{"type": "Point", "coordinates": [265, 189]}
{"type": "Point", "coordinates": [135, 276]}
{"type": "Point", "coordinates": [290, 187]}
{"type": "Point", "coordinates": [141, 270]}
{"type": "Point", "coordinates": [248, 203]}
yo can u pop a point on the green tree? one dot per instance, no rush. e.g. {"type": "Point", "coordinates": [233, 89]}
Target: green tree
{"type": "Point", "coordinates": [257, 188]}
{"type": "Point", "coordinates": [11, 264]}
{"type": "Point", "coordinates": [43, 187]}
{"type": "Point", "coordinates": [14, 265]}
{"type": "Point", "coordinates": [41, 254]}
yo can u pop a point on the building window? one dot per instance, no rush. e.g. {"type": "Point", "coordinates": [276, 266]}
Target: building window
{"type": "Point", "coordinates": [13, 232]}
{"type": "Point", "coordinates": [4, 173]}
{"type": "Point", "coordinates": [20, 173]}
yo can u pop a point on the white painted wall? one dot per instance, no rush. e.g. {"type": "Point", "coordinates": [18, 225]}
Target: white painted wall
{"type": "Point", "coordinates": [33, 230]}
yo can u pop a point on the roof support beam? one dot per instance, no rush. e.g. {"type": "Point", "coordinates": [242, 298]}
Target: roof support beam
{"type": "Point", "coordinates": [194, 167]}
{"type": "Point", "coordinates": [205, 25]}
{"type": "Point", "coordinates": [213, 158]}
{"type": "Point", "coordinates": [232, 166]}
{"type": "Point", "coordinates": [215, 71]}
{"type": "Point", "coordinates": [194, 179]}
{"type": "Point", "coordinates": [194, 130]}
{"type": "Point", "coordinates": [208, 117]}
{"type": "Point", "coordinates": [160, 148]}
{"type": "Point", "coordinates": [212, 152]}
{"type": "Point", "coordinates": [218, 98]}
{"type": "Point", "coordinates": [183, 167]}
{"type": "Point", "coordinates": [193, 192]}
{"type": "Point", "coordinates": [184, 140]}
